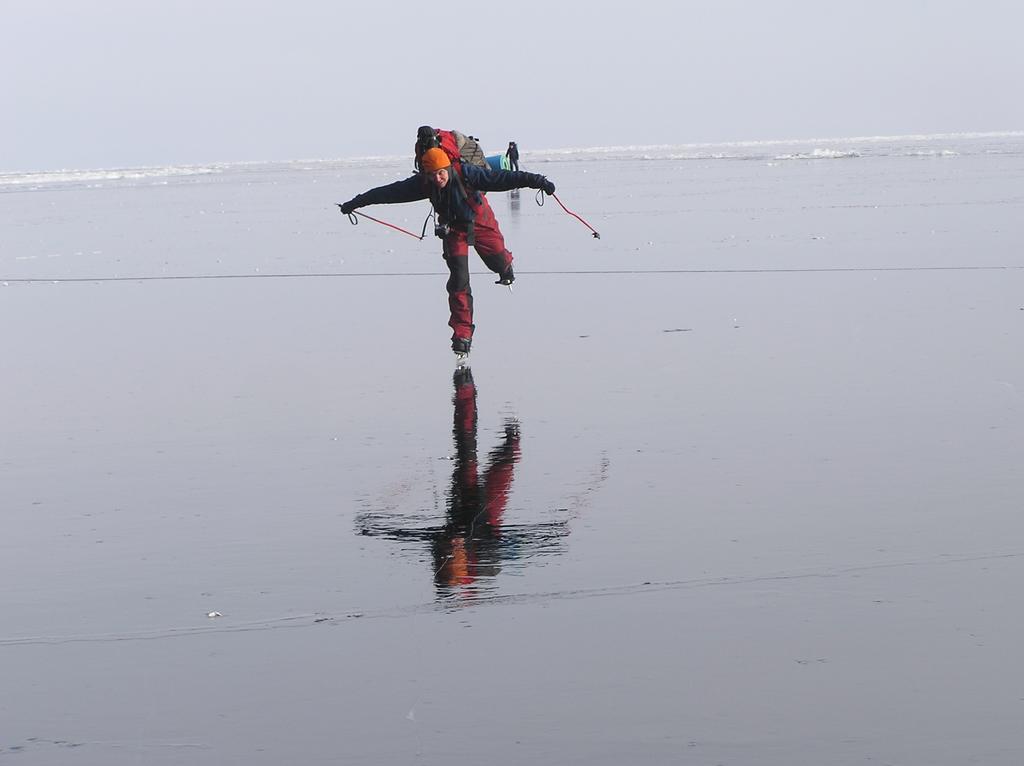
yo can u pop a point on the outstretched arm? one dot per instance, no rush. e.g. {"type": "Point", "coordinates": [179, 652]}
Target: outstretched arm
{"type": "Point", "coordinates": [409, 190]}
{"type": "Point", "coordinates": [504, 180]}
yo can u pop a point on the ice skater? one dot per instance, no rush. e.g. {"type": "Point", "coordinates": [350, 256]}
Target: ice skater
{"type": "Point", "coordinates": [513, 155]}
{"type": "Point", "coordinates": [464, 219]}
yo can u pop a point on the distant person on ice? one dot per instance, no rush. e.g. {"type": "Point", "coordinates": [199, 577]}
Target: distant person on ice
{"type": "Point", "coordinates": [465, 218]}
{"type": "Point", "coordinates": [513, 155]}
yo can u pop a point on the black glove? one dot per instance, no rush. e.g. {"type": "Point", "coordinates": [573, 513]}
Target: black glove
{"type": "Point", "coordinates": [547, 186]}
{"type": "Point", "coordinates": [348, 207]}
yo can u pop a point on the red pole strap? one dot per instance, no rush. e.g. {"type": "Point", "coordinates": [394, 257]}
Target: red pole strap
{"type": "Point", "coordinates": [567, 210]}
{"type": "Point", "coordinates": [354, 220]}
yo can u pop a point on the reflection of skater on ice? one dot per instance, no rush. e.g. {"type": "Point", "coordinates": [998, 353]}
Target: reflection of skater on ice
{"type": "Point", "coordinates": [474, 541]}
{"type": "Point", "coordinates": [476, 503]}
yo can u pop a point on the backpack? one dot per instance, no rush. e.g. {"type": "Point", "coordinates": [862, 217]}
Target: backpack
{"type": "Point", "coordinates": [458, 146]}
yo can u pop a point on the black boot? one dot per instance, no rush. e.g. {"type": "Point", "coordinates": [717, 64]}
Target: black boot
{"type": "Point", "coordinates": [506, 277]}
{"type": "Point", "coordinates": [461, 346]}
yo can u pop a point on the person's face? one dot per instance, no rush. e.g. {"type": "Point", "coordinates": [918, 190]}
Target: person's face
{"type": "Point", "coordinates": [439, 178]}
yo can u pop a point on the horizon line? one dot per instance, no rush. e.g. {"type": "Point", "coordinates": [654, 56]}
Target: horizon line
{"type": "Point", "coordinates": [549, 151]}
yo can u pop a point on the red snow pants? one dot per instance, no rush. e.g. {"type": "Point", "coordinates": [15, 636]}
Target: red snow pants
{"type": "Point", "coordinates": [490, 245]}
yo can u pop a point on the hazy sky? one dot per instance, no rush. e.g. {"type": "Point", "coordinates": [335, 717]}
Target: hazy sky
{"type": "Point", "coordinates": [114, 83]}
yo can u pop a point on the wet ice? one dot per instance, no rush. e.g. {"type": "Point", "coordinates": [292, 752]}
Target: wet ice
{"type": "Point", "coordinates": [748, 494]}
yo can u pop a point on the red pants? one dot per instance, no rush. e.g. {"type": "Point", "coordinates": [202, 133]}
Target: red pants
{"type": "Point", "coordinates": [490, 245]}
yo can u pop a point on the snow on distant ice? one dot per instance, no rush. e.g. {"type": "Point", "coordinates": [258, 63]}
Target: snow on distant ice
{"type": "Point", "coordinates": [914, 145]}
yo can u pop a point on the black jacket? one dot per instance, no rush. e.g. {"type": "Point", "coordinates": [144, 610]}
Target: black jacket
{"type": "Point", "coordinates": [451, 202]}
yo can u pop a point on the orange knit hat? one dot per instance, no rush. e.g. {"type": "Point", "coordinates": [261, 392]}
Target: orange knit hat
{"type": "Point", "coordinates": [433, 160]}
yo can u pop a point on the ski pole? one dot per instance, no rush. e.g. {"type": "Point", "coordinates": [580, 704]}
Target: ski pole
{"type": "Point", "coordinates": [352, 218]}
{"type": "Point", "coordinates": [540, 201]}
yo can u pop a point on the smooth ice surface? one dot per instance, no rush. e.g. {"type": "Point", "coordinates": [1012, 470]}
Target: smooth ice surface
{"type": "Point", "coordinates": [743, 484]}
